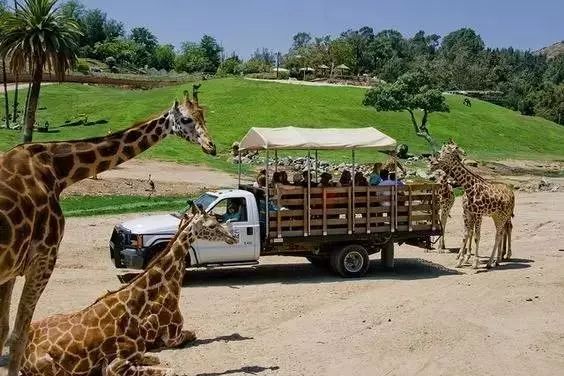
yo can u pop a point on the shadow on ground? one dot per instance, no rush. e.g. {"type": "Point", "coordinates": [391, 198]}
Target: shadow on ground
{"type": "Point", "coordinates": [249, 370]}
{"type": "Point", "coordinates": [293, 273]}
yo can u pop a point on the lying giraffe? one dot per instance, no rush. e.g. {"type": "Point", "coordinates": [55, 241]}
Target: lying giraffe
{"type": "Point", "coordinates": [112, 335]}
{"type": "Point", "coordinates": [483, 198]}
{"type": "Point", "coordinates": [32, 177]}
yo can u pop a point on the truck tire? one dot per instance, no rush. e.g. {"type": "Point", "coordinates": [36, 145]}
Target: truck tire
{"type": "Point", "coordinates": [351, 261]}
{"type": "Point", "coordinates": [320, 262]}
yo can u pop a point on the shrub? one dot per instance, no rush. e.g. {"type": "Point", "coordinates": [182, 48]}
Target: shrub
{"type": "Point", "coordinates": [83, 67]}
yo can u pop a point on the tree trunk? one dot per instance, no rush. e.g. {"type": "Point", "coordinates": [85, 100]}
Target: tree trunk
{"type": "Point", "coordinates": [6, 101]}
{"type": "Point", "coordinates": [15, 115]}
{"type": "Point", "coordinates": [421, 130]}
{"type": "Point", "coordinates": [33, 101]}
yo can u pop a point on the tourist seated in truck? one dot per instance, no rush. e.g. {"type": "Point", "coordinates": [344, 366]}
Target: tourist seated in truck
{"type": "Point", "coordinates": [346, 179]}
{"type": "Point", "coordinates": [261, 180]}
{"type": "Point", "coordinates": [326, 180]}
{"type": "Point", "coordinates": [234, 212]}
{"type": "Point", "coordinates": [375, 178]}
{"type": "Point", "coordinates": [360, 179]}
{"type": "Point", "coordinates": [284, 178]}
{"type": "Point", "coordinates": [297, 179]}
{"type": "Point", "coordinates": [312, 184]}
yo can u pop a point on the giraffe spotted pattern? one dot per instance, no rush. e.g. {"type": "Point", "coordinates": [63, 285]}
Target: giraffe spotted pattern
{"type": "Point", "coordinates": [32, 177]}
{"type": "Point", "coordinates": [113, 334]}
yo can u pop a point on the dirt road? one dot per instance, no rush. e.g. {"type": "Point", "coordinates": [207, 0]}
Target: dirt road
{"type": "Point", "coordinates": [286, 317]}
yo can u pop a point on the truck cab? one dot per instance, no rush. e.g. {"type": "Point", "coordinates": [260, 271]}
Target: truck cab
{"type": "Point", "coordinates": [134, 243]}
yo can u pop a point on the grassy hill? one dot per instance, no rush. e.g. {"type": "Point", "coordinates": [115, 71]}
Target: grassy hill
{"type": "Point", "coordinates": [485, 130]}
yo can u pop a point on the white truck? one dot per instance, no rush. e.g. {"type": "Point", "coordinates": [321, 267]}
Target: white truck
{"type": "Point", "coordinates": [337, 227]}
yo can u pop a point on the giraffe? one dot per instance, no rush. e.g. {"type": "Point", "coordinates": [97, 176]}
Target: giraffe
{"type": "Point", "coordinates": [483, 198]}
{"type": "Point", "coordinates": [446, 201]}
{"type": "Point", "coordinates": [112, 335]}
{"type": "Point", "coordinates": [32, 177]}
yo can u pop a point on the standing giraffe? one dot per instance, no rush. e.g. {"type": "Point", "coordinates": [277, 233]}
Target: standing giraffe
{"type": "Point", "coordinates": [483, 199]}
{"type": "Point", "coordinates": [446, 201]}
{"type": "Point", "coordinates": [32, 177]}
{"type": "Point", "coordinates": [112, 335]}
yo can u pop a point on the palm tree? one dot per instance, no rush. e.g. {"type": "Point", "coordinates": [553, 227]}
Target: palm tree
{"type": "Point", "coordinates": [37, 36]}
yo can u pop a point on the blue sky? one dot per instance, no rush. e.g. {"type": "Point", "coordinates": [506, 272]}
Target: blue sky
{"type": "Point", "coordinates": [243, 25]}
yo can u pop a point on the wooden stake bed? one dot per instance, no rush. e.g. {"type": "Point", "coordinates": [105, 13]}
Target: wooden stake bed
{"type": "Point", "coordinates": [412, 208]}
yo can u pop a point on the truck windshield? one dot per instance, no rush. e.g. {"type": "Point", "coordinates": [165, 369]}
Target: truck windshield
{"type": "Point", "coordinates": [204, 200]}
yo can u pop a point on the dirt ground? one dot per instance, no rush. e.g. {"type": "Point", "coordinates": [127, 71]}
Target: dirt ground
{"type": "Point", "coordinates": [285, 317]}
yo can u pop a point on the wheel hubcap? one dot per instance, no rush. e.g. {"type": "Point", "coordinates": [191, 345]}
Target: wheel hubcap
{"type": "Point", "coordinates": [353, 262]}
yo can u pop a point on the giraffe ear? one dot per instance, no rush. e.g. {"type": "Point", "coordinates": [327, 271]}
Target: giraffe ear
{"type": "Point", "coordinates": [175, 105]}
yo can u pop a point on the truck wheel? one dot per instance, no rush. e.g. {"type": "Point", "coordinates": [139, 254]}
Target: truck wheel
{"type": "Point", "coordinates": [320, 262]}
{"type": "Point", "coordinates": [350, 261]}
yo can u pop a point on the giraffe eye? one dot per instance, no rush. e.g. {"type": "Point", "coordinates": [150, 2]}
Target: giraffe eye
{"type": "Point", "coordinates": [186, 120]}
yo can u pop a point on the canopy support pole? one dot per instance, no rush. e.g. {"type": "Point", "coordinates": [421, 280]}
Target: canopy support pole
{"type": "Point", "coordinates": [351, 230]}
{"type": "Point", "coordinates": [240, 168]}
{"type": "Point", "coordinates": [275, 160]}
{"type": "Point", "coordinates": [316, 167]}
{"type": "Point", "coordinates": [267, 197]}
{"type": "Point", "coordinates": [308, 192]}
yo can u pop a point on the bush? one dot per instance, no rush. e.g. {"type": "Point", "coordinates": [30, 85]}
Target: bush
{"type": "Point", "coordinates": [83, 67]}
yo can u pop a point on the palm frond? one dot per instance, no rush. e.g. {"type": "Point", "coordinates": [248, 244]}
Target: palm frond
{"type": "Point", "coordinates": [38, 33]}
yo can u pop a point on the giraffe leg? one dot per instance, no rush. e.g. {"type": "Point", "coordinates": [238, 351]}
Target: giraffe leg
{"type": "Point", "coordinates": [477, 234]}
{"type": "Point", "coordinates": [444, 218]}
{"type": "Point", "coordinates": [176, 337]}
{"type": "Point", "coordinates": [508, 232]}
{"type": "Point", "coordinates": [499, 226]}
{"type": "Point", "coordinates": [474, 234]}
{"type": "Point", "coordinates": [36, 279]}
{"type": "Point", "coordinates": [124, 367]}
{"type": "Point", "coordinates": [5, 299]}
{"type": "Point", "coordinates": [468, 229]}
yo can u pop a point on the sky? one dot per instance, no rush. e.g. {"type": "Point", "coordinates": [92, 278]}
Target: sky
{"type": "Point", "coordinates": [241, 26]}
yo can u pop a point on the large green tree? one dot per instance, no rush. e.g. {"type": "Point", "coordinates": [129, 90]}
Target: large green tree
{"type": "Point", "coordinates": [3, 11]}
{"type": "Point", "coordinates": [212, 53]}
{"type": "Point", "coordinates": [163, 57]}
{"type": "Point", "coordinates": [411, 92]}
{"type": "Point", "coordinates": [38, 36]}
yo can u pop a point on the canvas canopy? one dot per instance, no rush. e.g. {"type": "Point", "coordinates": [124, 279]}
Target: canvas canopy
{"type": "Point", "coordinates": [292, 138]}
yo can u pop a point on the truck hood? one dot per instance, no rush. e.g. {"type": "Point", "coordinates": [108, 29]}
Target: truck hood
{"type": "Point", "coordinates": [152, 224]}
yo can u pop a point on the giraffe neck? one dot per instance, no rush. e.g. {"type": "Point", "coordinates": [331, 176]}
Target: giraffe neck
{"type": "Point", "coordinates": [466, 178]}
{"type": "Point", "coordinates": [74, 161]}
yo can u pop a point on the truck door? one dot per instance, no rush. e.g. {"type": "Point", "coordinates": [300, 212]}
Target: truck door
{"type": "Point", "coordinates": [233, 213]}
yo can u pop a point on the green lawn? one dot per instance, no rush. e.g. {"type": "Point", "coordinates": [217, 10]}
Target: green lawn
{"type": "Point", "coordinates": [485, 130]}
{"type": "Point", "coordinates": [83, 206]}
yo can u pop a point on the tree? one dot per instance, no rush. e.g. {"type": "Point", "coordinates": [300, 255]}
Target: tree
{"type": "Point", "coordinates": [143, 37]}
{"type": "Point", "coordinates": [230, 66]}
{"type": "Point", "coordinates": [301, 40]}
{"type": "Point", "coordinates": [93, 23]}
{"type": "Point", "coordinates": [411, 92]}
{"type": "Point", "coordinates": [460, 41]}
{"type": "Point", "coordinates": [39, 35]}
{"type": "Point", "coordinates": [190, 59]}
{"type": "Point", "coordinates": [212, 53]}
{"type": "Point", "coordinates": [113, 29]}
{"type": "Point", "coordinates": [163, 57]}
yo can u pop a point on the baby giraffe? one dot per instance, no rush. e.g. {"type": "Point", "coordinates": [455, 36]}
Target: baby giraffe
{"type": "Point", "coordinates": [111, 336]}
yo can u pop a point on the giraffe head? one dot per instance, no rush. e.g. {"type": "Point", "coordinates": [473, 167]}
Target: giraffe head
{"type": "Point", "coordinates": [188, 122]}
{"type": "Point", "coordinates": [449, 155]}
{"type": "Point", "coordinates": [206, 227]}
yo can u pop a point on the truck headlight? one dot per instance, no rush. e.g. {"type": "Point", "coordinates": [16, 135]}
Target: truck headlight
{"type": "Point", "coordinates": [137, 241]}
